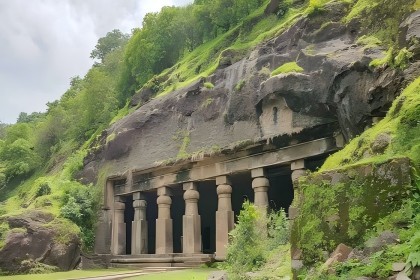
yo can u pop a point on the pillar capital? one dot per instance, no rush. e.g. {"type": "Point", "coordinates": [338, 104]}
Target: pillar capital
{"type": "Point", "coordinates": [191, 195]}
{"type": "Point", "coordinates": [224, 189]}
{"type": "Point", "coordinates": [139, 204]}
{"type": "Point", "coordinates": [298, 164]}
{"type": "Point", "coordinates": [189, 186]}
{"type": "Point", "coordinates": [164, 200]}
{"type": "Point", "coordinates": [164, 190]}
{"type": "Point", "coordinates": [260, 183]}
{"type": "Point", "coordinates": [223, 180]}
{"type": "Point", "coordinates": [258, 172]}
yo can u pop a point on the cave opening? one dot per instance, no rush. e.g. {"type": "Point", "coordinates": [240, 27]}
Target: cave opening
{"type": "Point", "coordinates": [128, 219]}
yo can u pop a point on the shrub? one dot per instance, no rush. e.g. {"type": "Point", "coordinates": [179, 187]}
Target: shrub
{"type": "Point", "coordinates": [43, 189]}
{"type": "Point", "coordinates": [79, 207]}
{"type": "Point", "coordinates": [255, 237]}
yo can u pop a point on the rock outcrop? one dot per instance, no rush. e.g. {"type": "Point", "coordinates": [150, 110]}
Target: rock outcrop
{"type": "Point", "coordinates": [37, 237]}
{"type": "Point", "coordinates": [336, 92]}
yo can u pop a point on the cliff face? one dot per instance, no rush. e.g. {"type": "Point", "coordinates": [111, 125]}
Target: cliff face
{"type": "Point", "coordinates": [336, 91]}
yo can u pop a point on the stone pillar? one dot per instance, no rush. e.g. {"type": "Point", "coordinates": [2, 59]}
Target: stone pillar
{"type": "Point", "coordinates": [103, 232]}
{"type": "Point", "coordinates": [224, 216]}
{"type": "Point", "coordinates": [298, 170]}
{"type": "Point", "coordinates": [164, 238]}
{"type": "Point", "coordinates": [191, 221]}
{"type": "Point", "coordinates": [260, 185]}
{"type": "Point", "coordinates": [139, 228]}
{"type": "Point", "coordinates": [118, 228]}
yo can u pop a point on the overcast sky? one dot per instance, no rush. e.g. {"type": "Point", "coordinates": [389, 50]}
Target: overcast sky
{"type": "Point", "coordinates": [43, 43]}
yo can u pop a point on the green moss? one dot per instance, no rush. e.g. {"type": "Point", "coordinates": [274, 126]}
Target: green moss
{"type": "Point", "coordinates": [391, 12]}
{"type": "Point", "coordinates": [4, 229]}
{"type": "Point", "coordinates": [287, 68]}
{"type": "Point", "coordinates": [182, 136]}
{"type": "Point", "coordinates": [208, 85]}
{"type": "Point", "coordinates": [401, 122]}
{"type": "Point", "coordinates": [65, 231]}
{"type": "Point", "coordinates": [382, 62]}
{"type": "Point", "coordinates": [239, 86]}
{"type": "Point", "coordinates": [369, 41]}
{"type": "Point", "coordinates": [403, 58]}
{"type": "Point", "coordinates": [111, 137]}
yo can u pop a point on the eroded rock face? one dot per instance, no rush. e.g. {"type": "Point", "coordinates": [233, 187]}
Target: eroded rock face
{"type": "Point", "coordinates": [337, 90]}
{"type": "Point", "coordinates": [32, 239]}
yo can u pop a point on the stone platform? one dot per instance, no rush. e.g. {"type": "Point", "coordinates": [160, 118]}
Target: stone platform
{"type": "Point", "coordinates": [161, 260]}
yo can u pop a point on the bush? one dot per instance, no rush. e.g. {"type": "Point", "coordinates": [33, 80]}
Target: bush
{"type": "Point", "coordinates": [255, 236]}
{"type": "Point", "coordinates": [79, 207]}
{"type": "Point", "coordinates": [43, 189]}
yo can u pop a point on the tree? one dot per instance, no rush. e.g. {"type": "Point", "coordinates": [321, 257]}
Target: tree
{"type": "Point", "coordinates": [112, 41]}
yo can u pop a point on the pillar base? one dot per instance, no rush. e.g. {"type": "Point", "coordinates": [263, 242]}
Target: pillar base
{"type": "Point", "coordinates": [164, 239]}
{"type": "Point", "coordinates": [139, 237]}
{"type": "Point", "coordinates": [119, 237]}
{"type": "Point", "coordinates": [224, 224]}
{"type": "Point", "coordinates": [191, 225]}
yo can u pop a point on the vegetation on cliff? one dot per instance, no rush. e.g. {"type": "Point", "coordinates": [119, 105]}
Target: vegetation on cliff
{"type": "Point", "coordinates": [346, 210]}
{"type": "Point", "coordinates": [41, 155]}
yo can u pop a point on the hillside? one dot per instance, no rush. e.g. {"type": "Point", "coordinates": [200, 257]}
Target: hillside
{"type": "Point", "coordinates": [191, 84]}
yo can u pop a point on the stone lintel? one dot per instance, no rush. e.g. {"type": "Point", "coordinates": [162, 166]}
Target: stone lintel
{"type": "Point", "coordinates": [299, 164]}
{"type": "Point", "coordinates": [284, 155]}
{"type": "Point", "coordinates": [258, 172]}
{"type": "Point", "coordinates": [223, 180]}
{"type": "Point", "coordinates": [190, 186]}
{"type": "Point", "coordinates": [164, 191]}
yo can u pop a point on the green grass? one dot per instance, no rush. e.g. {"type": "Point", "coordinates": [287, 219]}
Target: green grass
{"type": "Point", "coordinates": [67, 275]}
{"type": "Point", "coordinates": [287, 68]}
{"type": "Point", "coordinates": [187, 274]}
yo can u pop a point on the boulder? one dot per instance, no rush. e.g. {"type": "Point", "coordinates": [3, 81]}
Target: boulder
{"type": "Point", "coordinates": [377, 244]}
{"type": "Point", "coordinates": [340, 254]}
{"type": "Point", "coordinates": [381, 142]}
{"type": "Point", "coordinates": [38, 237]}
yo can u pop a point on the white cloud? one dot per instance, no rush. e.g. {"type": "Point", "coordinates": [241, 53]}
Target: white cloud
{"type": "Point", "coordinates": [43, 43]}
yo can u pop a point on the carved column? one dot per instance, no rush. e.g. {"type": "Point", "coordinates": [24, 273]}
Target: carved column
{"type": "Point", "coordinates": [164, 238]}
{"type": "Point", "coordinates": [118, 228]}
{"type": "Point", "coordinates": [260, 185]}
{"type": "Point", "coordinates": [139, 228]}
{"type": "Point", "coordinates": [191, 221]}
{"type": "Point", "coordinates": [103, 232]}
{"type": "Point", "coordinates": [224, 216]}
{"type": "Point", "coordinates": [298, 170]}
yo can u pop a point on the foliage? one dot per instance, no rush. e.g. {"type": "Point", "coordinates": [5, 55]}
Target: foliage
{"type": "Point", "coordinates": [35, 267]}
{"type": "Point", "coordinates": [380, 18]}
{"type": "Point", "coordinates": [79, 205]}
{"type": "Point", "coordinates": [43, 189]}
{"type": "Point", "coordinates": [287, 68]}
{"type": "Point", "coordinates": [254, 239]}
{"type": "Point", "coordinates": [112, 41]}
